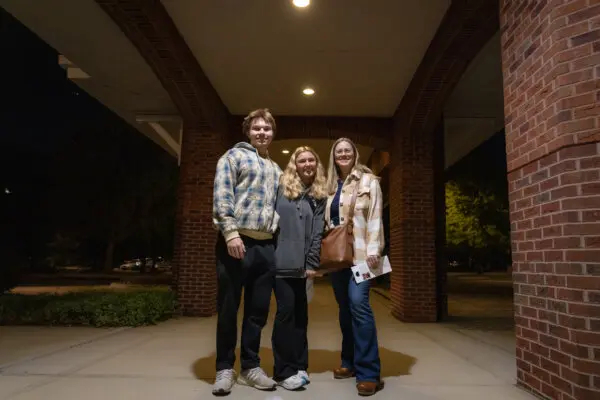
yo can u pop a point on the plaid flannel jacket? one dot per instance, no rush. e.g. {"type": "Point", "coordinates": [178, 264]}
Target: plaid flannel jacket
{"type": "Point", "coordinates": [368, 224]}
{"type": "Point", "coordinates": [244, 194]}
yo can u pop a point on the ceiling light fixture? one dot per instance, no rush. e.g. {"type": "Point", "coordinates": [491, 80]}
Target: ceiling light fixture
{"type": "Point", "coordinates": [285, 151]}
{"type": "Point", "coordinates": [301, 3]}
{"type": "Point", "coordinates": [308, 91]}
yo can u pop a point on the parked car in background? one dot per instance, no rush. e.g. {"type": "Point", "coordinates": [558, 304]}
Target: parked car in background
{"type": "Point", "coordinates": [147, 264]}
{"type": "Point", "coordinates": [131, 265]}
{"type": "Point", "coordinates": [162, 265]}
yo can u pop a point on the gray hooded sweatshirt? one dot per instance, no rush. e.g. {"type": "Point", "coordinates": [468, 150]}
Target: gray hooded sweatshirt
{"type": "Point", "coordinates": [299, 235]}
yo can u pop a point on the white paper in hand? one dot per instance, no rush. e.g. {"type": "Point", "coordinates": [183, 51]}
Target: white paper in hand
{"type": "Point", "coordinates": [362, 272]}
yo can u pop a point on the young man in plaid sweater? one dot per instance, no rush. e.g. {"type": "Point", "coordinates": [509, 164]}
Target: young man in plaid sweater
{"type": "Point", "coordinates": [245, 190]}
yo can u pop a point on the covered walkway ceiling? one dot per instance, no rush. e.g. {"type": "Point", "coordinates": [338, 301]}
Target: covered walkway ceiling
{"type": "Point", "coordinates": [359, 57]}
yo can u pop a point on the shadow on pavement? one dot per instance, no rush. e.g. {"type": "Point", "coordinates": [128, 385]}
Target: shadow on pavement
{"type": "Point", "coordinates": [392, 363]}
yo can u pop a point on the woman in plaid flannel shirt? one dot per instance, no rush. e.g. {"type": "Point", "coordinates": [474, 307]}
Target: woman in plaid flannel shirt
{"type": "Point", "coordinates": [360, 353]}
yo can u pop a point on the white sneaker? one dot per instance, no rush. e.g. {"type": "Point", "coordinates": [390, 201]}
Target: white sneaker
{"type": "Point", "coordinates": [256, 378]}
{"type": "Point", "coordinates": [224, 382]}
{"type": "Point", "coordinates": [304, 375]}
{"type": "Point", "coordinates": [294, 382]}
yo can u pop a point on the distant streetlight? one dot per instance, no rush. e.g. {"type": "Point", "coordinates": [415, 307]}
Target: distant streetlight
{"type": "Point", "coordinates": [7, 191]}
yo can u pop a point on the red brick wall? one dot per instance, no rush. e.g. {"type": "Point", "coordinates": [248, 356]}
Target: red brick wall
{"type": "Point", "coordinates": [194, 259]}
{"type": "Point", "coordinates": [551, 58]}
{"type": "Point", "coordinates": [412, 228]}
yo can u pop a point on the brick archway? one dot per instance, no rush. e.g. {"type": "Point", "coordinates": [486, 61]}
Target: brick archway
{"type": "Point", "coordinates": [151, 30]}
{"type": "Point", "coordinates": [208, 131]}
{"type": "Point", "coordinates": [417, 220]}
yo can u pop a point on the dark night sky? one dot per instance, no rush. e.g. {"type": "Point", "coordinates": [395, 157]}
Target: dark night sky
{"type": "Point", "coordinates": [35, 92]}
{"type": "Point", "coordinates": [42, 111]}
{"type": "Point", "coordinates": [47, 125]}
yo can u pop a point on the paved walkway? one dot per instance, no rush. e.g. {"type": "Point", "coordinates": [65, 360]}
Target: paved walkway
{"type": "Point", "coordinates": [176, 359]}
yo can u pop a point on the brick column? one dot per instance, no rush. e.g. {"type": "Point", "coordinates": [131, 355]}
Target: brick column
{"type": "Point", "coordinates": [412, 227]}
{"type": "Point", "coordinates": [551, 53]}
{"type": "Point", "coordinates": [194, 260]}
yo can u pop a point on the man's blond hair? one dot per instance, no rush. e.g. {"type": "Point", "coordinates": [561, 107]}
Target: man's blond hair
{"type": "Point", "coordinates": [263, 113]}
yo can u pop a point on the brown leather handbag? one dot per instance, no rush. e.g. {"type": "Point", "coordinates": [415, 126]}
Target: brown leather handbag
{"type": "Point", "coordinates": [337, 246]}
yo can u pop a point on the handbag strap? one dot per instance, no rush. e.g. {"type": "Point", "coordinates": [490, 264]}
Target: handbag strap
{"type": "Point", "coordinates": [353, 202]}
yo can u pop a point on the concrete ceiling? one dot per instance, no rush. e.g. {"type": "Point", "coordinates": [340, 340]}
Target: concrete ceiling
{"type": "Point", "coordinates": [472, 114]}
{"type": "Point", "coordinates": [359, 56]}
{"type": "Point", "coordinates": [475, 110]}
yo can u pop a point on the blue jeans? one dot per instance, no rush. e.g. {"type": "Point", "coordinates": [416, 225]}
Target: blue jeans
{"type": "Point", "coordinates": [360, 351]}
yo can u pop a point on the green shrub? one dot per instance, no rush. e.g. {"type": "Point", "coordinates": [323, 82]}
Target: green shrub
{"type": "Point", "coordinates": [94, 308]}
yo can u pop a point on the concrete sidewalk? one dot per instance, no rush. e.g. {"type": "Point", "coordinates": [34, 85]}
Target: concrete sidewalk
{"type": "Point", "coordinates": [176, 360]}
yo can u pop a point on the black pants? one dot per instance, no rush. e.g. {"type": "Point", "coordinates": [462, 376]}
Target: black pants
{"type": "Point", "coordinates": [289, 340]}
{"type": "Point", "coordinates": [254, 273]}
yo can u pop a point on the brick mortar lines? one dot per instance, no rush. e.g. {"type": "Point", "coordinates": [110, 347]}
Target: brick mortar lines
{"type": "Point", "coordinates": [554, 151]}
{"type": "Point", "coordinates": [519, 116]}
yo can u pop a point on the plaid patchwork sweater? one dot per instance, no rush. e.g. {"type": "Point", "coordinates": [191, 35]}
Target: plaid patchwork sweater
{"type": "Point", "coordinates": [368, 223]}
{"type": "Point", "coordinates": [244, 194]}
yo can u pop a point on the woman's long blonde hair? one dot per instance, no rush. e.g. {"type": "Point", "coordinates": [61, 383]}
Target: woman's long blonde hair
{"type": "Point", "coordinates": [333, 173]}
{"type": "Point", "coordinates": [292, 184]}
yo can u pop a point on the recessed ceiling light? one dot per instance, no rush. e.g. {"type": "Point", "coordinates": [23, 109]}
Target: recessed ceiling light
{"type": "Point", "coordinates": [285, 151]}
{"type": "Point", "coordinates": [308, 91]}
{"type": "Point", "coordinates": [301, 3]}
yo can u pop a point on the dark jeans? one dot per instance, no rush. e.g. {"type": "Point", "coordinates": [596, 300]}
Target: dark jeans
{"type": "Point", "coordinates": [360, 351]}
{"type": "Point", "coordinates": [254, 273]}
{"type": "Point", "coordinates": [289, 340]}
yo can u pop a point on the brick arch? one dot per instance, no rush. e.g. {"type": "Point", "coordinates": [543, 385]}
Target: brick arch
{"type": "Point", "coordinates": [367, 131]}
{"type": "Point", "coordinates": [467, 26]}
{"type": "Point", "coordinates": [207, 131]}
{"type": "Point", "coordinates": [417, 216]}
{"type": "Point", "coordinates": [149, 27]}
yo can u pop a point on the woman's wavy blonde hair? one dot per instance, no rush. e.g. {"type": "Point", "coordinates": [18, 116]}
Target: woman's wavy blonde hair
{"type": "Point", "coordinates": [333, 171]}
{"type": "Point", "coordinates": [292, 184]}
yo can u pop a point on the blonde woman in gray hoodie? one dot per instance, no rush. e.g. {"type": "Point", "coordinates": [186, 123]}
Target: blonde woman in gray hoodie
{"type": "Point", "coordinates": [300, 206]}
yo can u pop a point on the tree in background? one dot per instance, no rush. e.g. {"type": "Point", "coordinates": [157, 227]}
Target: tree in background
{"type": "Point", "coordinates": [118, 189]}
{"type": "Point", "coordinates": [63, 250]}
{"type": "Point", "coordinates": [476, 225]}
{"type": "Point", "coordinates": [477, 217]}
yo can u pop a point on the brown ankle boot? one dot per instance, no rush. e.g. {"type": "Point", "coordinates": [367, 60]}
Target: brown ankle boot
{"type": "Point", "coordinates": [343, 373]}
{"type": "Point", "coordinates": [369, 388]}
